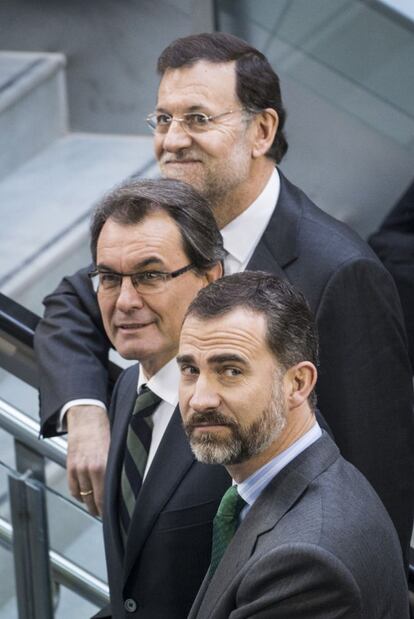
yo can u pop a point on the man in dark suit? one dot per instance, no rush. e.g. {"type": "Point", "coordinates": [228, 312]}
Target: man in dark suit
{"type": "Point", "coordinates": [301, 533]}
{"type": "Point", "coordinates": [154, 244]}
{"type": "Point", "coordinates": [218, 125]}
{"type": "Point", "coordinates": [393, 243]}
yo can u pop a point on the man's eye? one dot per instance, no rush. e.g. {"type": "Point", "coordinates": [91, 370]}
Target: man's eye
{"type": "Point", "coordinates": [150, 276]}
{"type": "Point", "coordinates": [163, 120]}
{"type": "Point", "coordinates": [198, 120]}
{"type": "Point", "coordinates": [232, 372]}
{"type": "Point", "coordinates": [188, 370]}
{"type": "Point", "coordinates": [108, 280]}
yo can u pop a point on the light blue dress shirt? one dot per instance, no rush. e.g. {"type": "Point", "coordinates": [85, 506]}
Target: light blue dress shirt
{"type": "Point", "coordinates": [253, 486]}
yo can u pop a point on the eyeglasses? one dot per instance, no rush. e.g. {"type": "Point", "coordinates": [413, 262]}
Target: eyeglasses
{"type": "Point", "coordinates": [191, 122]}
{"type": "Point", "coordinates": [146, 282]}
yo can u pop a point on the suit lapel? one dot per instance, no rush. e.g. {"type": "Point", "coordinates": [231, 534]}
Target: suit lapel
{"type": "Point", "coordinates": [125, 401]}
{"type": "Point", "coordinates": [279, 496]}
{"type": "Point", "coordinates": [279, 244]}
{"type": "Point", "coordinates": [170, 464]}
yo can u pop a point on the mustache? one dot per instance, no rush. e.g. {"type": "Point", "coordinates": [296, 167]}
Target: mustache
{"type": "Point", "coordinates": [180, 156]}
{"type": "Point", "coordinates": [211, 418]}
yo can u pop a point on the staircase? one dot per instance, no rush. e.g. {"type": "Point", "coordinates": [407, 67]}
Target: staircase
{"type": "Point", "coordinates": [50, 178]}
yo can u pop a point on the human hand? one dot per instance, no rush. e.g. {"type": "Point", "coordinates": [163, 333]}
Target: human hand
{"type": "Point", "coordinates": [88, 445]}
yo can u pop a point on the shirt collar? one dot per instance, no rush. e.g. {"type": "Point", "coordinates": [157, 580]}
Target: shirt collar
{"type": "Point", "coordinates": [164, 383]}
{"type": "Point", "coordinates": [250, 488]}
{"type": "Point", "coordinates": [242, 234]}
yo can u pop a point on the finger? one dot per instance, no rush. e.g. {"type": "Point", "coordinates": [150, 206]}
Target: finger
{"type": "Point", "coordinates": [73, 481]}
{"type": "Point", "coordinates": [97, 479]}
{"type": "Point", "coordinates": [90, 504]}
{"type": "Point", "coordinates": [86, 485]}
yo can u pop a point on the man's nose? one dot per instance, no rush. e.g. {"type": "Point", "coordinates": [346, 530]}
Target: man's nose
{"type": "Point", "coordinates": [176, 137]}
{"type": "Point", "coordinates": [204, 397]}
{"type": "Point", "coordinates": [128, 298]}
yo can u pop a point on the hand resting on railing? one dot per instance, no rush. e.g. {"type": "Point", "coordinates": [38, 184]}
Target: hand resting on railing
{"type": "Point", "coordinates": [88, 445]}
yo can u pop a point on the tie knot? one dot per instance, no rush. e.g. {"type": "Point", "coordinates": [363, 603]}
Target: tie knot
{"type": "Point", "coordinates": [146, 401]}
{"type": "Point", "coordinates": [231, 504]}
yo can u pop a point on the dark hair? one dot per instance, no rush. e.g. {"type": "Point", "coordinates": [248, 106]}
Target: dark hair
{"type": "Point", "coordinates": [132, 201]}
{"type": "Point", "coordinates": [257, 85]}
{"type": "Point", "coordinates": [291, 329]}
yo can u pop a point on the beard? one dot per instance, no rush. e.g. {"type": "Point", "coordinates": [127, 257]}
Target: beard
{"type": "Point", "coordinates": [242, 442]}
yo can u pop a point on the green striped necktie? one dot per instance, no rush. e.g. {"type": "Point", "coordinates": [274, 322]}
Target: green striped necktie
{"type": "Point", "coordinates": [136, 454]}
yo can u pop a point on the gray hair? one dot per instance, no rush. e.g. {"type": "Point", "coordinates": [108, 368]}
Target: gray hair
{"type": "Point", "coordinates": [132, 201]}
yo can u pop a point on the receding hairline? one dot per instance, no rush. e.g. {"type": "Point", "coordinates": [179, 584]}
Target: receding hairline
{"type": "Point", "coordinates": [208, 61]}
{"type": "Point", "coordinates": [187, 67]}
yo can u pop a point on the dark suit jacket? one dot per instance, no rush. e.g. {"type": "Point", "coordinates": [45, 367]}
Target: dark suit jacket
{"type": "Point", "coordinates": [316, 544]}
{"type": "Point", "coordinates": [394, 244]}
{"type": "Point", "coordinates": [169, 544]}
{"type": "Point", "coordinates": [365, 385]}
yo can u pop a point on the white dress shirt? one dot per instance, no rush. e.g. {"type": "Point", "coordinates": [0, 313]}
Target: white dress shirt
{"type": "Point", "coordinates": [242, 235]}
{"type": "Point", "coordinates": [165, 385]}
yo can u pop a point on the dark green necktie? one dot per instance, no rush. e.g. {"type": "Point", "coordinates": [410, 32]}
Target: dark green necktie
{"type": "Point", "coordinates": [136, 453]}
{"type": "Point", "coordinates": [225, 524]}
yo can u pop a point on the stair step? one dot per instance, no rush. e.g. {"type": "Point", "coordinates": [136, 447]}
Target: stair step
{"type": "Point", "coordinates": [33, 110]}
{"type": "Point", "coordinates": [50, 198]}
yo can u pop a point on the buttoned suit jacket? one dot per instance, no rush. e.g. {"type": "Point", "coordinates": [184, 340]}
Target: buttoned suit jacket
{"type": "Point", "coordinates": [168, 548]}
{"type": "Point", "coordinates": [365, 385]}
{"type": "Point", "coordinates": [316, 544]}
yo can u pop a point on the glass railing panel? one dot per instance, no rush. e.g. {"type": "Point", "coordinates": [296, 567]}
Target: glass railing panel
{"type": "Point", "coordinates": [76, 535]}
{"type": "Point", "coordinates": [19, 394]}
{"type": "Point", "coordinates": [73, 532]}
{"type": "Point", "coordinates": [8, 603]}
{"type": "Point", "coordinates": [7, 453]}
{"type": "Point", "coordinates": [71, 605]}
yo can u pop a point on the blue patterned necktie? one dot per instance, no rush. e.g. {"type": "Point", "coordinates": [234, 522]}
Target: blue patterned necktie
{"type": "Point", "coordinates": [225, 524]}
{"type": "Point", "coordinates": [136, 454]}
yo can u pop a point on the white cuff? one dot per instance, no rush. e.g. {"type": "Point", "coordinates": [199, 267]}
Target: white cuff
{"type": "Point", "coordinates": [61, 425]}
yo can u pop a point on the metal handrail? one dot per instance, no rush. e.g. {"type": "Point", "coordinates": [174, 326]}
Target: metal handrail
{"type": "Point", "coordinates": [65, 572]}
{"type": "Point", "coordinates": [27, 431]}
{"type": "Point", "coordinates": [17, 326]}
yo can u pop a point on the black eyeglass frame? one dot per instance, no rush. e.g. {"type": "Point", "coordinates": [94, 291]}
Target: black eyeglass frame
{"type": "Point", "coordinates": [163, 276]}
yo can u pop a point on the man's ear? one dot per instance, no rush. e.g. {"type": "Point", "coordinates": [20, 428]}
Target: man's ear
{"type": "Point", "coordinates": [300, 380]}
{"type": "Point", "coordinates": [266, 124]}
{"type": "Point", "coordinates": [214, 273]}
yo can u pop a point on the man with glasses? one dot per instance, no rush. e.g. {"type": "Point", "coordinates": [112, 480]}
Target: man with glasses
{"type": "Point", "coordinates": [154, 244]}
{"type": "Point", "coordinates": [219, 126]}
